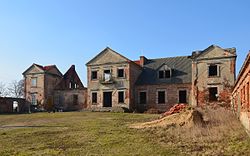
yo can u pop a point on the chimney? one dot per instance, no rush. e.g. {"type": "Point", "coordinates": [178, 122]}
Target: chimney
{"type": "Point", "coordinates": [73, 66]}
{"type": "Point", "coordinates": [143, 60]}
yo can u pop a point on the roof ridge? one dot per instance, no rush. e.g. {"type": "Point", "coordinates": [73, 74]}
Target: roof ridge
{"type": "Point", "coordinates": [168, 57]}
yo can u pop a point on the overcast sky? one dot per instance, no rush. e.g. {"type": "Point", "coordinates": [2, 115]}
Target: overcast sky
{"type": "Point", "coordinates": [70, 32]}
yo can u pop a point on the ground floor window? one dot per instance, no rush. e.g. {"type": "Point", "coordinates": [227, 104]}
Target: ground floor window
{"type": "Point", "coordinates": [143, 97]}
{"type": "Point", "coordinates": [121, 97]}
{"type": "Point", "coordinates": [182, 96]}
{"type": "Point", "coordinates": [213, 93]}
{"type": "Point", "coordinates": [161, 97]}
{"type": "Point", "coordinates": [75, 99]}
{"type": "Point", "coordinates": [94, 98]}
{"type": "Point", "coordinates": [33, 99]}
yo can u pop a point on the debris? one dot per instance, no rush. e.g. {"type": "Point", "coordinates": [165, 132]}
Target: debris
{"type": "Point", "coordinates": [177, 108]}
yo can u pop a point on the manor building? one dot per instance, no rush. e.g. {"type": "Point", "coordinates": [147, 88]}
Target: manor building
{"type": "Point", "coordinates": [205, 76]}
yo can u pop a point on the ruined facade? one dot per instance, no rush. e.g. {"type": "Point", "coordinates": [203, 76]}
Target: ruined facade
{"type": "Point", "coordinates": [69, 93]}
{"type": "Point", "coordinates": [205, 76]}
{"type": "Point", "coordinates": [111, 80]}
{"type": "Point", "coordinates": [213, 75]}
{"type": "Point", "coordinates": [241, 94]}
{"type": "Point", "coordinates": [13, 105]}
{"type": "Point", "coordinates": [40, 84]}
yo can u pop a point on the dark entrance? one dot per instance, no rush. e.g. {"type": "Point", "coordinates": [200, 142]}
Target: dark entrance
{"type": "Point", "coordinates": [182, 96]}
{"type": "Point", "coordinates": [213, 94]}
{"type": "Point", "coordinates": [107, 99]}
{"type": "Point", "coordinates": [143, 98]}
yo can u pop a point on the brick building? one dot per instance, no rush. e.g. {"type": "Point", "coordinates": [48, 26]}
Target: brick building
{"type": "Point", "coordinates": [213, 75]}
{"type": "Point", "coordinates": [69, 93]}
{"type": "Point", "coordinates": [111, 80]}
{"type": "Point", "coordinates": [241, 94]}
{"type": "Point", "coordinates": [13, 105]}
{"type": "Point", "coordinates": [116, 81]}
{"type": "Point", "coordinates": [40, 84]}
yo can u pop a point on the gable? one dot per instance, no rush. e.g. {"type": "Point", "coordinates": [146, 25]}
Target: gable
{"type": "Point", "coordinates": [107, 56]}
{"type": "Point", "coordinates": [33, 69]}
{"type": "Point", "coordinates": [215, 52]}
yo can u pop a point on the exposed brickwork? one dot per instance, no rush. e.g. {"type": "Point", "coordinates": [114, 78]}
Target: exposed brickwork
{"type": "Point", "coordinates": [6, 105]}
{"type": "Point", "coordinates": [241, 94]}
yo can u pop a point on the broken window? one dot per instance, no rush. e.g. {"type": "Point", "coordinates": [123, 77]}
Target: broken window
{"type": "Point", "coordinates": [120, 73]}
{"type": "Point", "coordinates": [94, 75]}
{"type": "Point", "coordinates": [213, 70]}
{"type": "Point", "coordinates": [143, 98]}
{"type": "Point", "coordinates": [34, 82]}
{"type": "Point", "coordinates": [182, 96]}
{"type": "Point", "coordinates": [75, 99]}
{"type": "Point", "coordinates": [94, 98]}
{"type": "Point", "coordinates": [121, 97]}
{"type": "Point", "coordinates": [164, 74]}
{"type": "Point", "coordinates": [167, 74]}
{"type": "Point", "coordinates": [213, 93]}
{"type": "Point", "coordinates": [161, 74]}
{"type": "Point", "coordinates": [161, 97]}
{"type": "Point", "coordinates": [107, 75]}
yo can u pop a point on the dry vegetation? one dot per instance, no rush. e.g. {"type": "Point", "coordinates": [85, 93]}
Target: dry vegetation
{"type": "Point", "coordinates": [218, 133]}
{"type": "Point", "coordinates": [92, 133]}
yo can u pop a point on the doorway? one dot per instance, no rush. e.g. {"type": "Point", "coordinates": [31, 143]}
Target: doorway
{"type": "Point", "coordinates": [182, 96]}
{"type": "Point", "coordinates": [213, 93]}
{"type": "Point", "coordinates": [107, 99]}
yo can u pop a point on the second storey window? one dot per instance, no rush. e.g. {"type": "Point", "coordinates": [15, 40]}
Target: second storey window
{"type": "Point", "coordinates": [213, 70]}
{"type": "Point", "coordinates": [120, 73]}
{"type": "Point", "coordinates": [93, 75]}
{"type": "Point", "coordinates": [34, 82]}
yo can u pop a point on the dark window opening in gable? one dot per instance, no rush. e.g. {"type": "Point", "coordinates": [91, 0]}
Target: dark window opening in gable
{"type": "Point", "coordinates": [94, 75]}
{"type": "Point", "coordinates": [143, 98]}
{"type": "Point", "coordinates": [94, 98]}
{"type": "Point", "coordinates": [213, 70]}
{"type": "Point", "coordinates": [167, 74]}
{"type": "Point", "coordinates": [213, 93]}
{"type": "Point", "coordinates": [161, 74]}
{"type": "Point", "coordinates": [75, 99]}
{"type": "Point", "coordinates": [120, 73]}
{"type": "Point", "coordinates": [182, 96]}
{"type": "Point", "coordinates": [121, 97]}
{"type": "Point", "coordinates": [161, 97]}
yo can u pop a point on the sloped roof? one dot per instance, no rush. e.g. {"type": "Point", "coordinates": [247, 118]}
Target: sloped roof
{"type": "Point", "coordinates": [107, 49]}
{"type": "Point", "coordinates": [44, 68]}
{"type": "Point", "coordinates": [70, 76]}
{"type": "Point", "coordinates": [181, 71]}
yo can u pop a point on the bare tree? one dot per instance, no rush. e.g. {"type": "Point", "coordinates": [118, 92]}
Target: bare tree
{"type": "Point", "coordinates": [3, 90]}
{"type": "Point", "coordinates": [16, 89]}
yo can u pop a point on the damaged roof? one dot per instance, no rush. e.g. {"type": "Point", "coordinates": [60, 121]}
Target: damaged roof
{"type": "Point", "coordinates": [181, 71]}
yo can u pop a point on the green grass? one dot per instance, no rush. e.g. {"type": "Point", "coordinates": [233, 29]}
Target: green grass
{"type": "Point", "coordinates": [76, 133]}
{"type": "Point", "coordinates": [93, 133]}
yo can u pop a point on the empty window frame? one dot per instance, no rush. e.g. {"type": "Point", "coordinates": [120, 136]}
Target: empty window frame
{"type": "Point", "coordinates": [164, 74]}
{"type": "Point", "coordinates": [120, 96]}
{"type": "Point", "coordinates": [120, 73]}
{"type": "Point", "coordinates": [34, 82]}
{"type": "Point", "coordinates": [182, 96]}
{"type": "Point", "coordinates": [143, 97]}
{"type": "Point", "coordinates": [213, 70]}
{"type": "Point", "coordinates": [213, 94]}
{"type": "Point", "coordinates": [75, 99]}
{"type": "Point", "coordinates": [161, 97]}
{"type": "Point", "coordinates": [94, 75]}
{"type": "Point", "coordinates": [94, 98]}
